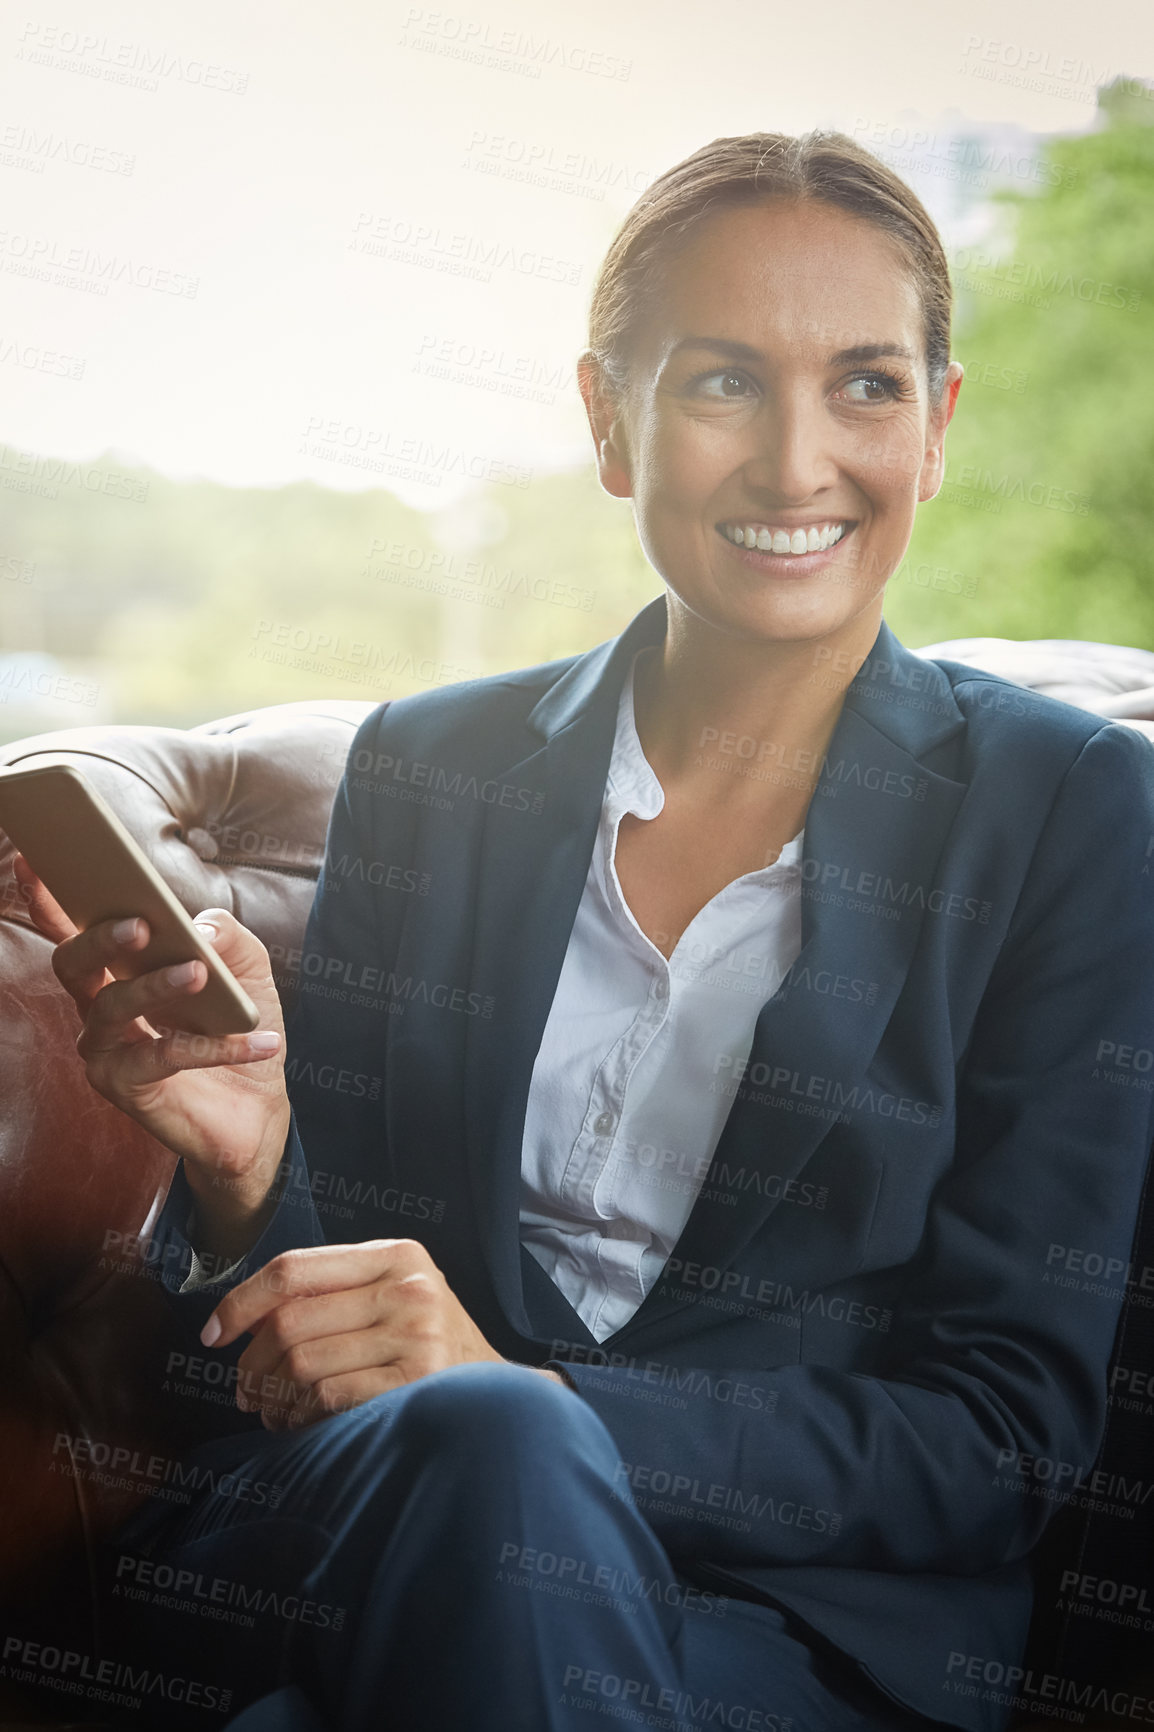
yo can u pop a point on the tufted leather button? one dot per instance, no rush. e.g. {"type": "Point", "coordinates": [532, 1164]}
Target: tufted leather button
{"type": "Point", "coordinates": [202, 844]}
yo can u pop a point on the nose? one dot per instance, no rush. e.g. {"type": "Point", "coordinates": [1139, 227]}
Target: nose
{"type": "Point", "coordinates": [791, 455]}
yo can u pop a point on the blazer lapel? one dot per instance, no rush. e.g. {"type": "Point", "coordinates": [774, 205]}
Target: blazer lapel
{"type": "Point", "coordinates": [863, 845]}
{"type": "Point", "coordinates": [531, 874]}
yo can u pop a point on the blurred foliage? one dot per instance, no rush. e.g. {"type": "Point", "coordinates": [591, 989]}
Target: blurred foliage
{"type": "Point", "coordinates": [200, 599]}
{"type": "Point", "coordinates": [1047, 512]}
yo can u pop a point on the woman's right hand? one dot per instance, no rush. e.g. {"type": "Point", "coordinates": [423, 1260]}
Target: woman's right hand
{"type": "Point", "coordinates": [219, 1102]}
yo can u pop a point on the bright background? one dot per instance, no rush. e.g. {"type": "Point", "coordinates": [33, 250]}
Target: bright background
{"type": "Point", "coordinates": [292, 296]}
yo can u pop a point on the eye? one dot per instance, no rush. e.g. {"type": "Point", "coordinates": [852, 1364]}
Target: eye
{"type": "Point", "coordinates": [726, 386]}
{"type": "Point", "coordinates": [874, 387]}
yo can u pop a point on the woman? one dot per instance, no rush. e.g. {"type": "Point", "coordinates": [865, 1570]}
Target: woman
{"type": "Point", "coordinates": [685, 1344]}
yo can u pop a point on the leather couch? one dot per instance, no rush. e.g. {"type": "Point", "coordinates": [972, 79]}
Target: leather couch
{"type": "Point", "coordinates": [233, 812]}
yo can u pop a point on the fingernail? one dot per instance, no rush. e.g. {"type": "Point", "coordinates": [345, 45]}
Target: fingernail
{"type": "Point", "coordinates": [124, 932]}
{"type": "Point", "coordinates": [266, 1041]}
{"type": "Point", "coordinates": [181, 974]}
{"type": "Point", "coordinates": [210, 931]}
{"type": "Point", "coordinates": [211, 1332]}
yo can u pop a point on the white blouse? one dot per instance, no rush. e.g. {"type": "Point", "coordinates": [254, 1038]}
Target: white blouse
{"type": "Point", "coordinates": [628, 1096]}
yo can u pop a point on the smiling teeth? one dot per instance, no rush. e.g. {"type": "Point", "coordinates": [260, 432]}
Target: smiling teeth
{"type": "Point", "coordinates": [812, 540]}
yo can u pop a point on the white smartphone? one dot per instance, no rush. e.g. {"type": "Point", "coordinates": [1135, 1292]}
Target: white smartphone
{"type": "Point", "coordinates": [77, 846]}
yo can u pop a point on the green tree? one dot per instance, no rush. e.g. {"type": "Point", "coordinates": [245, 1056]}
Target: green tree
{"type": "Point", "coordinates": [1045, 527]}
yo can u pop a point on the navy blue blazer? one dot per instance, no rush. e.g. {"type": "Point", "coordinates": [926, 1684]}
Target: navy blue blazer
{"type": "Point", "coordinates": [877, 1347]}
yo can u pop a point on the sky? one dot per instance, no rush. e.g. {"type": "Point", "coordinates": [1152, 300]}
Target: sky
{"type": "Point", "coordinates": [355, 243]}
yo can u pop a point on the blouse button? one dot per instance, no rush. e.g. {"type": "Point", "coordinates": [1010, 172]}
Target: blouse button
{"type": "Point", "coordinates": [661, 989]}
{"type": "Point", "coordinates": [603, 1124]}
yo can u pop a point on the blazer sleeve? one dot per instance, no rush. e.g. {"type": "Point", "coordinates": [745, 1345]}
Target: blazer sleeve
{"type": "Point", "coordinates": [994, 1386]}
{"type": "Point", "coordinates": [342, 924]}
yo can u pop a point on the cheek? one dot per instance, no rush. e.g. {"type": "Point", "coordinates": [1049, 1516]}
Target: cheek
{"type": "Point", "coordinates": [682, 464]}
{"type": "Point", "coordinates": [895, 458]}
{"type": "Point", "coordinates": [702, 456]}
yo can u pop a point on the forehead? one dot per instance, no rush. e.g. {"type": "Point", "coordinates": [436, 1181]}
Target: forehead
{"type": "Point", "coordinates": [807, 278]}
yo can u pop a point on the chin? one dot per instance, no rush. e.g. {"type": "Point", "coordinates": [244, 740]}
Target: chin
{"type": "Point", "coordinates": [776, 624]}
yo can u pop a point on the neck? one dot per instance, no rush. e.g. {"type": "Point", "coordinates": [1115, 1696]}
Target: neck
{"type": "Point", "coordinates": [704, 700]}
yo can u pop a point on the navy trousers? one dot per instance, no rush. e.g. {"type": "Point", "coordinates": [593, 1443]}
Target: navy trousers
{"type": "Point", "coordinates": [459, 1553]}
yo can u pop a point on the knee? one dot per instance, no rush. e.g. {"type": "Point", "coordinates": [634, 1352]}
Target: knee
{"type": "Point", "coordinates": [504, 1415]}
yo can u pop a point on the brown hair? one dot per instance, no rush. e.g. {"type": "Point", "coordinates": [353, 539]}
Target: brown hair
{"type": "Point", "coordinates": [825, 166]}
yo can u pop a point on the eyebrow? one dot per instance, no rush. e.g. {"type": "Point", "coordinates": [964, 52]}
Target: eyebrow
{"type": "Point", "coordinates": [746, 352]}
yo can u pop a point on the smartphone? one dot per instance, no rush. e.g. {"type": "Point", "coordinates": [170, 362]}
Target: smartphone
{"type": "Point", "coordinates": [77, 846]}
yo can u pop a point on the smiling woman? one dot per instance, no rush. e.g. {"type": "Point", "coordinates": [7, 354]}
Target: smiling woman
{"type": "Point", "coordinates": [775, 495]}
{"type": "Point", "coordinates": [741, 1063]}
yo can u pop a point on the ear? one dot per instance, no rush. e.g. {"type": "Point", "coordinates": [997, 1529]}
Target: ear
{"type": "Point", "coordinates": [933, 468]}
{"type": "Point", "coordinates": [606, 422]}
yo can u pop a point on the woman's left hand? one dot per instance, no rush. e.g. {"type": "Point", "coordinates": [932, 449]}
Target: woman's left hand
{"type": "Point", "coordinates": [335, 1325]}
